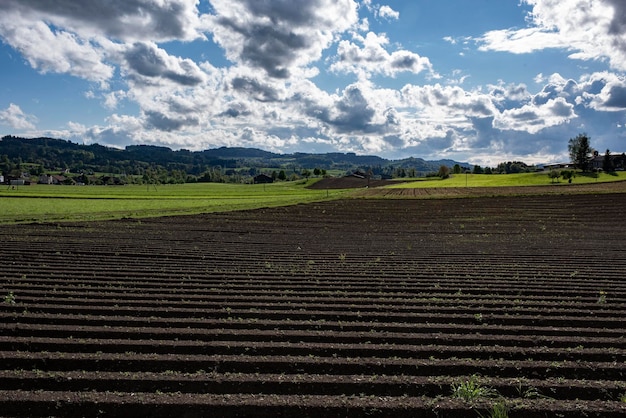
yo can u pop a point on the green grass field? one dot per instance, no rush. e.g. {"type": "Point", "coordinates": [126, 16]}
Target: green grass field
{"type": "Point", "coordinates": [506, 180]}
{"type": "Point", "coordinates": [46, 203]}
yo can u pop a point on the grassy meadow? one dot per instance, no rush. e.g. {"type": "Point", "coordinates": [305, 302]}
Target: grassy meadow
{"type": "Point", "coordinates": [48, 203]}
{"type": "Point", "coordinates": [507, 180]}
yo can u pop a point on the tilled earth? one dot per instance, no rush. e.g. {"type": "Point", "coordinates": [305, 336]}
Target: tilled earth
{"type": "Point", "coordinates": [355, 307]}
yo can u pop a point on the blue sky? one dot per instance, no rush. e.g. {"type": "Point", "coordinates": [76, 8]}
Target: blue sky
{"type": "Point", "coordinates": [481, 81]}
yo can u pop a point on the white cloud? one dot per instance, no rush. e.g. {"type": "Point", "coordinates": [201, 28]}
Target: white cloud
{"type": "Point", "coordinates": [388, 13]}
{"type": "Point", "coordinates": [111, 99]}
{"type": "Point", "coordinates": [54, 51]}
{"type": "Point", "coordinates": [533, 118]}
{"type": "Point", "coordinates": [509, 92]}
{"type": "Point", "coordinates": [589, 29]}
{"type": "Point", "coordinates": [145, 62]}
{"type": "Point", "coordinates": [448, 104]}
{"type": "Point", "coordinates": [282, 36]}
{"type": "Point", "coordinates": [373, 58]}
{"type": "Point", "coordinates": [121, 20]}
{"type": "Point", "coordinates": [14, 117]}
{"type": "Point", "coordinates": [383, 11]}
{"type": "Point", "coordinates": [83, 38]}
{"type": "Point", "coordinates": [603, 92]}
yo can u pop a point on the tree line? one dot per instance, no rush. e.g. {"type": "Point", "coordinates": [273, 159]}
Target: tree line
{"type": "Point", "coordinates": [154, 164]}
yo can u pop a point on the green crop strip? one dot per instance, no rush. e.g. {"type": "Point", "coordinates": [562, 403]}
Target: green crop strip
{"type": "Point", "coordinates": [507, 180]}
{"type": "Point", "coordinates": [46, 203]}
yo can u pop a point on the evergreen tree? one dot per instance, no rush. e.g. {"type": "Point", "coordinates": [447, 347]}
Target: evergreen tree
{"type": "Point", "coordinates": [607, 163]}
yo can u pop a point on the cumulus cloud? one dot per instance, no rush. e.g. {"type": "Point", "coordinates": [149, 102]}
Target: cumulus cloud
{"type": "Point", "coordinates": [164, 122]}
{"type": "Point", "coordinates": [124, 20]}
{"type": "Point", "coordinates": [14, 117]}
{"type": "Point", "coordinates": [509, 92]}
{"type": "Point", "coordinates": [255, 89]}
{"type": "Point", "coordinates": [148, 62]}
{"type": "Point", "coordinates": [82, 38]}
{"type": "Point", "coordinates": [374, 58]}
{"type": "Point", "coordinates": [280, 36]}
{"type": "Point", "coordinates": [383, 11]}
{"type": "Point", "coordinates": [388, 13]}
{"type": "Point", "coordinates": [589, 29]}
{"type": "Point", "coordinates": [54, 51]}
{"type": "Point", "coordinates": [452, 103]}
{"type": "Point", "coordinates": [603, 92]}
{"type": "Point", "coordinates": [534, 118]}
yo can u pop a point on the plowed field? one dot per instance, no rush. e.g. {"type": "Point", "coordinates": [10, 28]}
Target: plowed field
{"type": "Point", "coordinates": [416, 308]}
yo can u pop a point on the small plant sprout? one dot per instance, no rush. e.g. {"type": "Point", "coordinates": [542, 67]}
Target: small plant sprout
{"type": "Point", "coordinates": [602, 297]}
{"type": "Point", "coordinates": [498, 410]}
{"type": "Point", "coordinates": [10, 298]}
{"type": "Point", "coordinates": [471, 389]}
{"type": "Point", "coordinates": [342, 257]}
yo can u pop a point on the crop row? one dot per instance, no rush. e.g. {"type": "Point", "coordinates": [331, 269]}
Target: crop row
{"type": "Point", "coordinates": [338, 308]}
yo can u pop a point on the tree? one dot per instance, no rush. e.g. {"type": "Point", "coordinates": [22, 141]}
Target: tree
{"type": "Point", "coordinates": [444, 172]}
{"type": "Point", "coordinates": [568, 175]}
{"type": "Point", "coordinates": [580, 151]}
{"type": "Point", "coordinates": [554, 175]}
{"type": "Point", "coordinates": [282, 175]}
{"type": "Point", "coordinates": [456, 169]}
{"type": "Point", "coordinates": [477, 169]}
{"type": "Point", "coordinates": [607, 163]}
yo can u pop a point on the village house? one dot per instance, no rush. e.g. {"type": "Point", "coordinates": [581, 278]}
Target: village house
{"type": "Point", "coordinates": [618, 161]}
{"type": "Point", "coordinates": [53, 179]}
{"type": "Point", "coordinates": [263, 178]}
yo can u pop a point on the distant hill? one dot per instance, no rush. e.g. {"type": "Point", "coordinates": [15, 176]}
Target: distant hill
{"type": "Point", "coordinates": [50, 154]}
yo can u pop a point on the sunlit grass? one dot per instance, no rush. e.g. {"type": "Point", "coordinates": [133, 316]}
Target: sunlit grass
{"type": "Point", "coordinates": [45, 203]}
{"type": "Point", "coordinates": [503, 180]}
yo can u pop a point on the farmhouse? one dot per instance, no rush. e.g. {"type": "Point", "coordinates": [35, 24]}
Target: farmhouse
{"type": "Point", "coordinates": [556, 166]}
{"type": "Point", "coordinates": [358, 174]}
{"type": "Point", "coordinates": [618, 161]}
{"type": "Point", "coordinates": [53, 179]}
{"type": "Point", "coordinates": [263, 178]}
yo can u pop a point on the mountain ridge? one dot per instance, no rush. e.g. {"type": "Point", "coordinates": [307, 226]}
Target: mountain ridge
{"type": "Point", "coordinates": [53, 153]}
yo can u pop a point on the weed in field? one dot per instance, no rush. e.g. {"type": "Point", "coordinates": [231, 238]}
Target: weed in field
{"type": "Point", "coordinates": [342, 257]}
{"type": "Point", "coordinates": [530, 392]}
{"type": "Point", "coordinates": [9, 298]}
{"type": "Point", "coordinates": [602, 297]}
{"type": "Point", "coordinates": [498, 410]}
{"type": "Point", "coordinates": [471, 389]}
{"type": "Point", "coordinates": [623, 398]}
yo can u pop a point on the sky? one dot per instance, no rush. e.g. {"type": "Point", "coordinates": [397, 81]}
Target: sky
{"type": "Point", "coordinates": [480, 81]}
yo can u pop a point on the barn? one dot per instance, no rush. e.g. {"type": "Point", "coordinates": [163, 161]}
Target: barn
{"type": "Point", "coordinates": [263, 178]}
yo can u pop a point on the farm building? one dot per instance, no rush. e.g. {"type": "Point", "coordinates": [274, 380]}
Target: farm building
{"type": "Point", "coordinates": [263, 178]}
{"type": "Point", "coordinates": [618, 161]}
{"type": "Point", "coordinates": [557, 166]}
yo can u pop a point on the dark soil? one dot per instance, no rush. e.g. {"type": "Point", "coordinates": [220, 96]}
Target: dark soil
{"type": "Point", "coordinates": [356, 307]}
